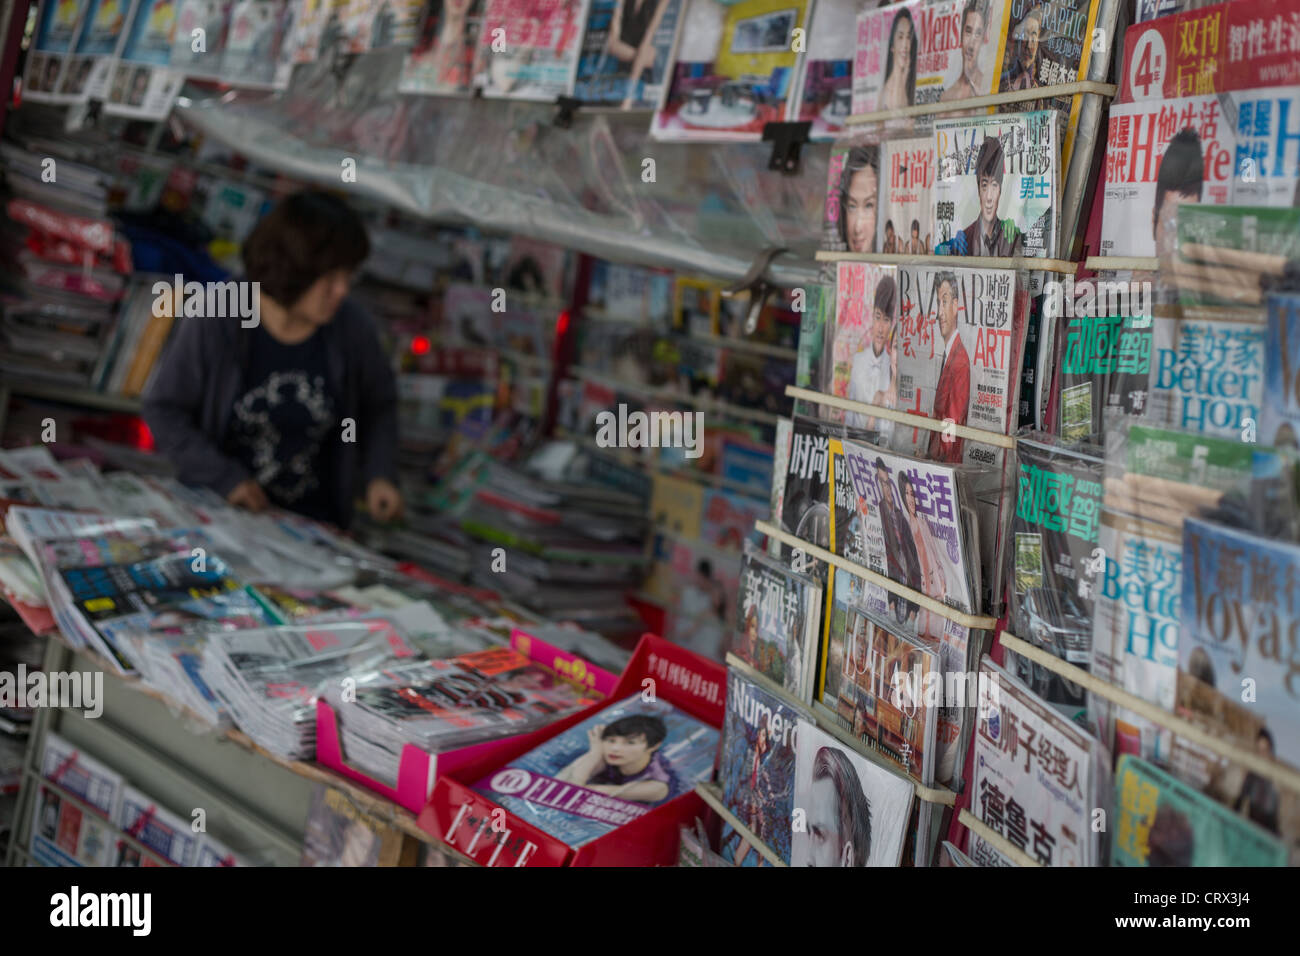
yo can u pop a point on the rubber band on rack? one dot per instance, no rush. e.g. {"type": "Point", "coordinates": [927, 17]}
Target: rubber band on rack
{"type": "Point", "coordinates": [976, 622]}
{"type": "Point", "coordinates": [1021, 263]}
{"type": "Point", "coordinates": [904, 418]}
{"type": "Point", "coordinates": [1280, 774]}
{"type": "Point", "coordinates": [999, 842]}
{"type": "Point", "coordinates": [710, 795]}
{"type": "Point", "coordinates": [989, 99]}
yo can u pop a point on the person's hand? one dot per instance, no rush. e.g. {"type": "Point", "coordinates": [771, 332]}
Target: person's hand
{"type": "Point", "coordinates": [248, 494]}
{"type": "Point", "coordinates": [593, 738]}
{"type": "Point", "coordinates": [383, 500]}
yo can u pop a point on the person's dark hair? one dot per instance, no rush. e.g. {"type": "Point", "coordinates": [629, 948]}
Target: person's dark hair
{"type": "Point", "coordinates": [904, 483]}
{"type": "Point", "coordinates": [945, 278]}
{"type": "Point", "coordinates": [305, 236]}
{"type": "Point", "coordinates": [916, 225]}
{"type": "Point", "coordinates": [704, 568]}
{"type": "Point", "coordinates": [855, 810]}
{"type": "Point", "coordinates": [974, 6]}
{"type": "Point", "coordinates": [652, 728]}
{"type": "Point", "coordinates": [886, 296]}
{"type": "Point", "coordinates": [990, 160]}
{"type": "Point", "coordinates": [857, 159]}
{"type": "Point", "coordinates": [880, 463]}
{"type": "Point", "coordinates": [1265, 735]}
{"type": "Point", "coordinates": [1182, 170]}
{"type": "Point", "coordinates": [889, 225]}
{"type": "Point", "coordinates": [903, 14]}
{"type": "Point", "coordinates": [1200, 666]}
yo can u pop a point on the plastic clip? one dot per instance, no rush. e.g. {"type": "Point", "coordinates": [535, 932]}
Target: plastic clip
{"type": "Point", "coordinates": [565, 107]}
{"type": "Point", "coordinates": [787, 139]}
{"type": "Point", "coordinates": [756, 282]}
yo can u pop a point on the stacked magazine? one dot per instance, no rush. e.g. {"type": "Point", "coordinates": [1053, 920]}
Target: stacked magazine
{"type": "Point", "coordinates": [440, 705]}
{"type": "Point", "coordinates": [268, 679]}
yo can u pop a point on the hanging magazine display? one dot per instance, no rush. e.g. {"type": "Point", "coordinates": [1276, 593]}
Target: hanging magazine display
{"type": "Point", "coordinates": [733, 71]}
{"type": "Point", "coordinates": [143, 86]}
{"type": "Point", "coordinates": [826, 79]}
{"type": "Point", "coordinates": [625, 52]}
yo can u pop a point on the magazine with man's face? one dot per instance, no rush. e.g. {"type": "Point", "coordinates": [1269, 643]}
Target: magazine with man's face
{"type": "Point", "coordinates": [855, 812]}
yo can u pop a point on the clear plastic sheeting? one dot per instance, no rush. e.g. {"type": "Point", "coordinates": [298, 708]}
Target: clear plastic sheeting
{"type": "Point", "coordinates": [602, 186]}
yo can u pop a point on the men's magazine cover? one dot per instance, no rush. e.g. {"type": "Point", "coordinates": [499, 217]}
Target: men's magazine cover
{"type": "Point", "coordinates": [961, 333]}
{"type": "Point", "coordinates": [856, 811]}
{"type": "Point", "coordinates": [825, 96]}
{"type": "Point", "coordinates": [612, 768]}
{"type": "Point", "coordinates": [849, 216]}
{"type": "Point", "coordinates": [733, 72]}
{"type": "Point", "coordinates": [528, 49]}
{"type": "Point", "coordinates": [998, 185]}
{"type": "Point", "coordinates": [779, 622]}
{"type": "Point", "coordinates": [1054, 533]}
{"type": "Point", "coordinates": [757, 771]}
{"type": "Point", "coordinates": [1235, 603]}
{"type": "Point", "coordinates": [442, 59]}
{"type": "Point", "coordinates": [905, 217]}
{"type": "Point", "coordinates": [926, 52]}
{"type": "Point", "coordinates": [625, 52]}
{"type": "Point", "coordinates": [1161, 821]}
{"type": "Point", "coordinates": [1135, 628]}
{"type": "Point", "coordinates": [1037, 778]}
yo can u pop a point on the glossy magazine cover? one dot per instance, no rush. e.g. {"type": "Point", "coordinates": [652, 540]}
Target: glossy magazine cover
{"type": "Point", "coordinates": [757, 773]}
{"type": "Point", "coordinates": [612, 768]}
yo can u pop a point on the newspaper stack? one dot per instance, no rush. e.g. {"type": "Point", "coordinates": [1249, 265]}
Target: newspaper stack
{"type": "Point", "coordinates": [268, 679]}
{"type": "Point", "coordinates": [440, 705]}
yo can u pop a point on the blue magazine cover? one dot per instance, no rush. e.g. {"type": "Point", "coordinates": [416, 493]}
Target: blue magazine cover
{"type": "Point", "coordinates": [757, 773]}
{"type": "Point", "coordinates": [612, 768]}
{"type": "Point", "coordinates": [1280, 416]}
{"type": "Point", "coordinates": [625, 52]}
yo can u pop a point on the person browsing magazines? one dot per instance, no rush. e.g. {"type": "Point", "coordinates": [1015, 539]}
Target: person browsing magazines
{"type": "Point", "coordinates": [297, 407]}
